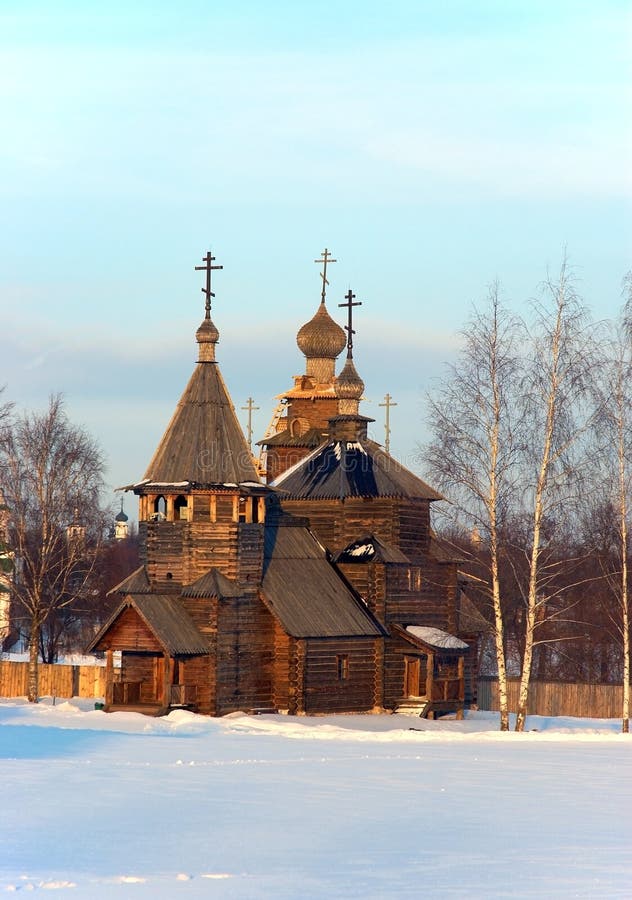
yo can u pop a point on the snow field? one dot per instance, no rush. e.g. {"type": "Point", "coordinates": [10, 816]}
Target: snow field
{"type": "Point", "coordinates": [120, 806]}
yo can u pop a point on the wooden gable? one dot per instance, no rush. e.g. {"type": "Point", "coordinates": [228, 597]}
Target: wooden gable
{"type": "Point", "coordinates": [129, 632]}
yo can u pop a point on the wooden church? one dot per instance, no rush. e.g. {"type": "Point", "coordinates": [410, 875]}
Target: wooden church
{"type": "Point", "coordinates": [320, 589]}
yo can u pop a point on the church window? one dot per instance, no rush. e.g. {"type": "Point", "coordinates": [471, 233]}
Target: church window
{"type": "Point", "coordinates": [298, 427]}
{"type": "Point", "coordinates": [159, 513]}
{"type": "Point", "coordinates": [181, 509]}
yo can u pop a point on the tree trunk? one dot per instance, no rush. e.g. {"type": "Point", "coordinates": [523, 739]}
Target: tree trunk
{"type": "Point", "coordinates": [499, 638]}
{"type": "Point", "coordinates": [33, 676]}
{"type": "Point", "coordinates": [625, 719]}
{"type": "Point", "coordinates": [625, 602]}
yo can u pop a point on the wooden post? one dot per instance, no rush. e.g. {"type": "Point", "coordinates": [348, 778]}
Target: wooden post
{"type": "Point", "coordinates": [461, 672]}
{"type": "Point", "coordinates": [168, 680]}
{"type": "Point", "coordinates": [109, 677]}
{"type": "Point", "coordinates": [430, 677]}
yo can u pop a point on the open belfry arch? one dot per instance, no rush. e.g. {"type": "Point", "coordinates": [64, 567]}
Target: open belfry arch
{"type": "Point", "coordinates": [319, 590]}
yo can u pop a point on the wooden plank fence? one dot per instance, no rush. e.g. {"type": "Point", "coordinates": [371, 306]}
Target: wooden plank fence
{"type": "Point", "coordinates": [555, 698]}
{"type": "Point", "coordinates": [54, 680]}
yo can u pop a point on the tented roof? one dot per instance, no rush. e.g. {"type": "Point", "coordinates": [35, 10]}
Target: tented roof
{"type": "Point", "coordinates": [204, 442]}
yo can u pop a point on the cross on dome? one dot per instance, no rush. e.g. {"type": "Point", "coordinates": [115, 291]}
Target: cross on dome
{"type": "Point", "coordinates": [208, 267]}
{"type": "Point", "coordinates": [325, 258]}
{"type": "Point", "coordinates": [350, 297]}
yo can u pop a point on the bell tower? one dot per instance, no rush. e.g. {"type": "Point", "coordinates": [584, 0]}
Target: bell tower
{"type": "Point", "coordinates": [201, 493]}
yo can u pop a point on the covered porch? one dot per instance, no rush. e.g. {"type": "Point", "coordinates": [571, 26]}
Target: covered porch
{"type": "Point", "coordinates": [434, 672]}
{"type": "Point", "coordinates": [162, 656]}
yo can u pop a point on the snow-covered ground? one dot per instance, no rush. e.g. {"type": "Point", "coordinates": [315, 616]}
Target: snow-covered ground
{"type": "Point", "coordinates": [122, 806]}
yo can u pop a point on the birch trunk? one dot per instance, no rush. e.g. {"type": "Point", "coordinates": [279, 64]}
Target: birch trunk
{"type": "Point", "coordinates": [625, 606]}
{"type": "Point", "coordinates": [499, 625]}
{"type": "Point", "coordinates": [552, 398]}
{"type": "Point", "coordinates": [33, 672]}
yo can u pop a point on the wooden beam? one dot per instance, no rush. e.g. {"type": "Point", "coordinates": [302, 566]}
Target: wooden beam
{"type": "Point", "coordinates": [109, 676]}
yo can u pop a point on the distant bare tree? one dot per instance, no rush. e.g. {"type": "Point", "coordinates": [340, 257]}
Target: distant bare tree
{"type": "Point", "coordinates": [473, 453]}
{"type": "Point", "coordinates": [51, 472]}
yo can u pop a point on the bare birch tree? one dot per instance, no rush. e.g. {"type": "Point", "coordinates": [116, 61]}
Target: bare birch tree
{"type": "Point", "coordinates": [51, 473]}
{"type": "Point", "coordinates": [557, 413]}
{"type": "Point", "coordinates": [616, 433]}
{"type": "Point", "coordinates": [472, 456]}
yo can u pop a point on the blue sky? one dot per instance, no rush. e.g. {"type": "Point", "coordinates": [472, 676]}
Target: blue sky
{"type": "Point", "coordinates": [432, 147]}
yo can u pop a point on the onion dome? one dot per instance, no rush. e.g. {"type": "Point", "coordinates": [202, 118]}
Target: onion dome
{"type": "Point", "coordinates": [121, 517]}
{"type": "Point", "coordinates": [349, 385]}
{"type": "Point", "coordinates": [321, 337]}
{"type": "Point", "coordinates": [207, 336]}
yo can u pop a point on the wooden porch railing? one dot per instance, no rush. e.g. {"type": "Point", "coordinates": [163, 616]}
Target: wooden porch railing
{"type": "Point", "coordinates": [183, 694]}
{"type": "Point", "coordinates": [126, 693]}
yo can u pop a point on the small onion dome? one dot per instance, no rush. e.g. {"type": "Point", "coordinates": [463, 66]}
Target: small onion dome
{"type": "Point", "coordinates": [321, 337]}
{"type": "Point", "coordinates": [349, 385]}
{"type": "Point", "coordinates": [207, 333]}
{"type": "Point", "coordinates": [207, 336]}
{"type": "Point", "coordinates": [121, 517]}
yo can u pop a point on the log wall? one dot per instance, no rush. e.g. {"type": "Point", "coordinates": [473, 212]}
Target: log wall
{"type": "Point", "coordinates": [324, 690]}
{"type": "Point", "coordinates": [244, 655]}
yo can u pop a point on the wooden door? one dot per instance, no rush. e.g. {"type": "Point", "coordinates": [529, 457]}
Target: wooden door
{"type": "Point", "coordinates": [412, 667]}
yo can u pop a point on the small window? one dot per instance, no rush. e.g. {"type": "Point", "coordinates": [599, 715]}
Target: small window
{"type": "Point", "coordinates": [342, 664]}
{"type": "Point", "coordinates": [414, 578]}
{"type": "Point", "coordinates": [181, 509]}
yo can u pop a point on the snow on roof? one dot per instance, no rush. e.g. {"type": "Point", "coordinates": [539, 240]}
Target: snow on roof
{"type": "Point", "coordinates": [362, 550]}
{"type": "Point", "coordinates": [435, 637]}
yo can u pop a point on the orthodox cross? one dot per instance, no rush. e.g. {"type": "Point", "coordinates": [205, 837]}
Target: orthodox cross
{"type": "Point", "coordinates": [208, 267]}
{"type": "Point", "coordinates": [326, 257]}
{"type": "Point", "coordinates": [349, 328]}
{"type": "Point", "coordinates": [388, 402]}
{"type": "Point", "coordinates": [250, 407]}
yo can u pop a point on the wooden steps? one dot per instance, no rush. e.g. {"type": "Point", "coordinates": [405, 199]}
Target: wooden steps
{"type": "Point", "coordinates": [147, 709]}
{"type": "Point", "coordinates": [413, 706]}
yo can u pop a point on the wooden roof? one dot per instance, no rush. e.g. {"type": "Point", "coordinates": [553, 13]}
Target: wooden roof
{"type": "Point", "coordinates": [361, 468]}
{"type": "Point", "coordinates": [313, 437]}
{"type": "Point", "coordinates": [136, 583]}
{"type": "Point", "coordinates": [306, 592]}
{"type": "Point", "coordinates": [435, 640]}
{"type": "Point", "coordinates": [212, 584]}
{"type": "Point", "coordinates": [203, 442]}
{"type": "Point", "coordinates": [166, 618]}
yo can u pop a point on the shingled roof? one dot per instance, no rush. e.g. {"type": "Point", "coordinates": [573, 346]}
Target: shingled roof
{"type": "Point", "coordinates": [212, 584]}
{"type": "Point", "coordinates": [203, 443]}
{"type": "Point", "coordinates": [359, 468]}
{"type": "Point", "coordinates": [136, 583]}
{"type": "Point", "coordinates": [306, 592]}
{"type": "Point", "coordinates": [167, 619]}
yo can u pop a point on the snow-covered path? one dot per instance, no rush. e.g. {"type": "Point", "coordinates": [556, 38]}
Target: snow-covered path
{"type": "Point", "coordinates": [123, 806]}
